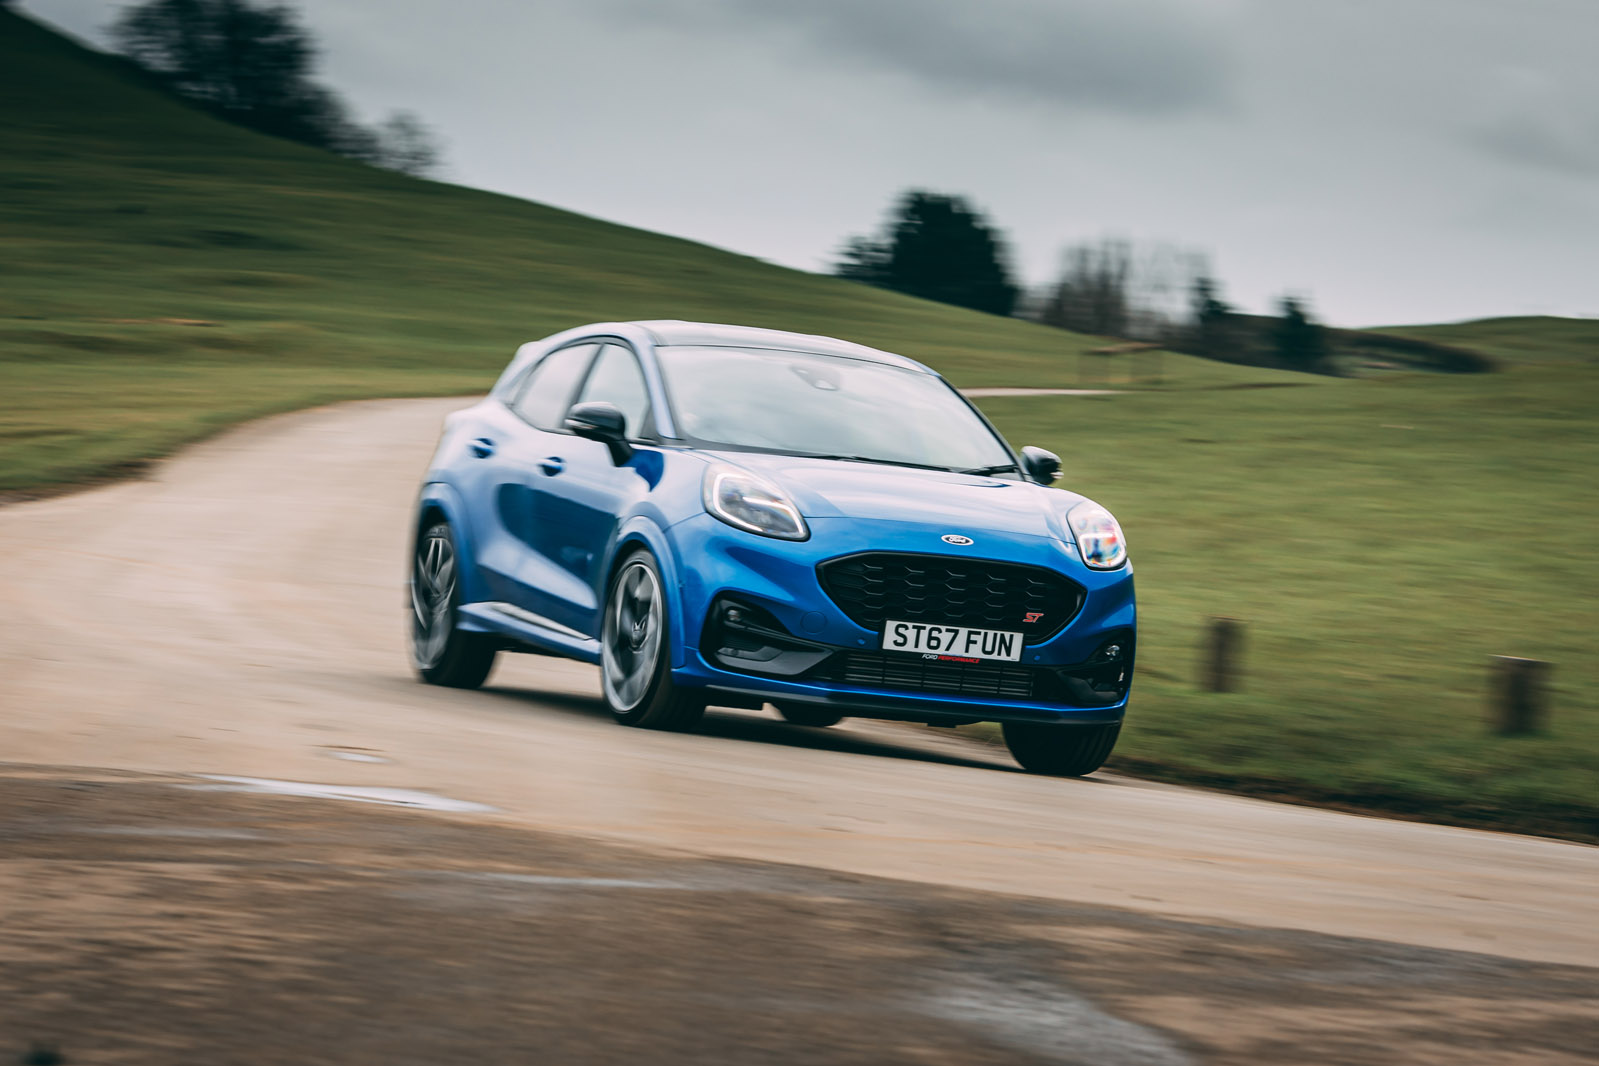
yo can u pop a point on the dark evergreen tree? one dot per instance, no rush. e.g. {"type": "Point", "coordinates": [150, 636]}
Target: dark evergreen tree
{"type": "Point", "coordinates": [939, 248]}
{"type": "Point", "coordinates": [863, 259]}
{"type": "Point", "coordinates": [1214, 325]}
{"type": "Point", "coordinates": [1300, 343]}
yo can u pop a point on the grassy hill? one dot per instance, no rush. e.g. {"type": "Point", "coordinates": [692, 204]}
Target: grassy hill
{"type": "Point", "coordinates": [1526, 339]}
{"type": "Point", "coordinates": [197, 274]}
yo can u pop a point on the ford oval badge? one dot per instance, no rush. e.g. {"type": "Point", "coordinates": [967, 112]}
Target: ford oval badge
{"type": "Point", "coordinates": [955, 538]}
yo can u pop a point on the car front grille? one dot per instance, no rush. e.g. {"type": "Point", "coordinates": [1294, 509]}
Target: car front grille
{"type": "Point", "coordinates": [874, 587]}
{"type": "Point", "coordinates": [908, 674]}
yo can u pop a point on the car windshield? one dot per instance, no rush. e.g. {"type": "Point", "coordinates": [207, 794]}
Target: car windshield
{"type": "Point", "coordinates": [797, 403]}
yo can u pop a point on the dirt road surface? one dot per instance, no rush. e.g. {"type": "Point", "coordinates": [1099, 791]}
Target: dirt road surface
{"type": "Point", "coordinates": [757, 892]}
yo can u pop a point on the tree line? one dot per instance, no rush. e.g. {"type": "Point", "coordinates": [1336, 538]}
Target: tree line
{"type": "Point", "coordinates": [940, 247]}
{"type": "Point", "coordinates": [254, 64]}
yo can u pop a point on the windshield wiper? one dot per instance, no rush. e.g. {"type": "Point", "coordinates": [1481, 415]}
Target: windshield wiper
{"type": "Point", "coordinates": [984, 471]}
{"type": "Point", "coordinates": [874, 459]}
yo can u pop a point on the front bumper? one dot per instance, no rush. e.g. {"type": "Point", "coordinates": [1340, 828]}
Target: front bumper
{"type": "Point", "coordinates": [829, 659]}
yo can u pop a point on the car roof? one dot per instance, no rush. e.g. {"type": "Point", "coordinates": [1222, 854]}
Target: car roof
{"type": "Point", "coordinates": [673, 332]}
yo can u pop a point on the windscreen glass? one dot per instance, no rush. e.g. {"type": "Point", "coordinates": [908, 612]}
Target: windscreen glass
{"type": "Point", "coordinates": [796, 403]}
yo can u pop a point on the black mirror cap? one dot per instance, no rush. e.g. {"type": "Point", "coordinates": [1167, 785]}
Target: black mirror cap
{"type": "Point", "coordinates": [1040, 465]}
{"type": "Point", "coordinates": [603, 422]}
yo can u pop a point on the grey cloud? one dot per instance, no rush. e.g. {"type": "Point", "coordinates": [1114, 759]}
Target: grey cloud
{"type": "Point", "coordinates": [1132, 56]}
{"type": "Point", "coordinates": [1535, 123]}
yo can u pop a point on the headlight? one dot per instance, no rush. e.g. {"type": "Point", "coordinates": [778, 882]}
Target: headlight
{"type": "Point", "coordinates": [1099, 537]}
{"type": "Point", "coordinates": [750, 502]}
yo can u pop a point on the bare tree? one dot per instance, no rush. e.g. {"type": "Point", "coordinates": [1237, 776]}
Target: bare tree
{"type": "Point", "coordinates": [1115, 288]}
{"type": "Point", "coordinates": [1091, 295]}
{"type": "Point", "coordinates": [405, 143]}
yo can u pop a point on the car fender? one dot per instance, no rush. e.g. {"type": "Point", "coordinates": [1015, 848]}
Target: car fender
{"type": "Point", "coordinates": [443, 497]}
{"type": "Point", "coordinates": [640, 531]}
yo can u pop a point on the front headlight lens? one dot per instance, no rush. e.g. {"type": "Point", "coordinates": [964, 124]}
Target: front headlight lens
{"type": "Point", "coordinates": [749, 502]}
{"type": "Point", "coordinates": [1099, 536]}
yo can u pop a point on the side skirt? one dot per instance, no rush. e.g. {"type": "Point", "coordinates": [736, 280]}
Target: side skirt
{"type": "Point", "coordinates": [541, 633]}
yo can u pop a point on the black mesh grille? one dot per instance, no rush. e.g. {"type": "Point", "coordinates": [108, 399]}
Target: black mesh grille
{"type": "Point", "coordinates": [931, 675]}
{"type": "Point", "coordinates": [874, 587]}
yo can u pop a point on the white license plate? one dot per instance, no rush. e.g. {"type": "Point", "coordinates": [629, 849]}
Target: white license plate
{"type": "Point", "coordinates": [954, 642]}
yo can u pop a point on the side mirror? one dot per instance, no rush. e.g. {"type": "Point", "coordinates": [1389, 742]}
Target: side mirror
{"type": "Point", "coordinates": [1043, 467]}
{"type": "Point", "coordinates": [602, 422]}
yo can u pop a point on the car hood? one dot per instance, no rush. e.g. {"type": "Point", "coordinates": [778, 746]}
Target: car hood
{"type": "Point", "coordinates": [831, 488]}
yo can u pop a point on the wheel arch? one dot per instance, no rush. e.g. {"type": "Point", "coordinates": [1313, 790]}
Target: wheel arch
{"type": "Point", "coordinates": [641, 534]}
{"type": "Point", "coordinates": [439, 500]}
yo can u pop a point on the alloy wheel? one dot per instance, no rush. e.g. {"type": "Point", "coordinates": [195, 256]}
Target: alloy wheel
{"type": "Point", "coordinates": [432, 596]}
{"type": "Point", "coordinates": [633, 628]}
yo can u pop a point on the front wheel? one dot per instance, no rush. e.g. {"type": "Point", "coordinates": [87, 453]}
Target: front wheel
{"type": "Point", "coordinates": [635, 675]}
{"type": "Point", "coordinates": [443, 653]}
{"type": "Point", "coordinates": [1060, 750]}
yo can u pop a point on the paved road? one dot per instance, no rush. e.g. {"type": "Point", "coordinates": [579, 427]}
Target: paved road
{"type": "Point", "coordinates": [240, 613]}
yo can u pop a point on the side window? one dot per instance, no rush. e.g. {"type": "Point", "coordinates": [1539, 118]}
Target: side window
{"type": "Point", "coordinates": [547, 394]}
{"type": "Point", "coordinates": [616, 378]}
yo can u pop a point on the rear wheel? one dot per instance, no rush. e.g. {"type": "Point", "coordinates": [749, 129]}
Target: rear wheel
{"type": "Point", "coordinates": [1060, 750]}
{"type": "Point", "coordinates": [443, 653]}
{"type": "Point", "coordinates": [635, 675]}
{"type": "Point", "coordinates": [816, 717]}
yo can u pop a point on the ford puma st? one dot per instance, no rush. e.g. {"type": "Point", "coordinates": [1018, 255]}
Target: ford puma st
{"type": "Point", "coordinates": [732, 516]}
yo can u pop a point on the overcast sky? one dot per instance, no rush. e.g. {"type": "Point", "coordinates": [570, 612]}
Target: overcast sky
{"type": "Point", "coordinates": [1396, 160]}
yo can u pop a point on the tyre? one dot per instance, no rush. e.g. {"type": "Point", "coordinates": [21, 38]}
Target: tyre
{"type": "Point", "coordinates": [635, 674]}
{"type": "Point", "coordinates": [1060, 750]}
{"type": "Point", "coordinates": [443, 653]}
{"type": "Point", "coordinates": [800, 714]}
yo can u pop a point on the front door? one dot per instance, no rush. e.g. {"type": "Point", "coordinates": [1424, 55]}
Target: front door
{"type": "Point", "coordinates": [581, 497]}
{"type": "Point", "coordinates": [515, 556]}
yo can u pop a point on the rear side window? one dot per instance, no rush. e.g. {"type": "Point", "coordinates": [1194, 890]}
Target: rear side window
{"type": "Point", "coordinates": [546, 396]}
{"type": "Point", "coordinates": [617, 379]}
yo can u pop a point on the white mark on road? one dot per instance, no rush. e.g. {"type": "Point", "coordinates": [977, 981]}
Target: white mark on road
{"type": "Point", "coordinates": [391, 797]}
{"type": "Point", "coordinates": [354, 756]}
{"type": "Point", "coordinates": [1053, 1023]}
{"type": "Point", "coordinates": [179, 832]}
{"type": "Point", "coordinates": [553, 881]}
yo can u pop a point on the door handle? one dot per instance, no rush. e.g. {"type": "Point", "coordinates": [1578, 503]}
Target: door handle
{"type": "Point", "coordinates": [552, 465]}
{"type": "Point", "coordinates": [482, 447]}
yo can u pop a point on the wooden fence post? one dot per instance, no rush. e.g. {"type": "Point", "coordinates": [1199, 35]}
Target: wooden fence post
{"type": "Point", "coordinates": [1518, 700]}
{"type": "Point", "coordinates": [1219, 669]}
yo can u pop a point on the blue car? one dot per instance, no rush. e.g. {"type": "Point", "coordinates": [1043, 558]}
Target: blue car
{"type": "Point", "coordinates": [738, 517]}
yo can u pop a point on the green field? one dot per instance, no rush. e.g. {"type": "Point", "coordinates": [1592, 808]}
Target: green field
{"type": "Point", "coordinates": [163, 275]}
{"type": "Point", "coordinates": [1381, 540]}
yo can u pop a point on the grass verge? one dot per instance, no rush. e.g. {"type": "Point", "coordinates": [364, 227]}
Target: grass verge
{"type": "Point", "coordinates": [1381, 540]}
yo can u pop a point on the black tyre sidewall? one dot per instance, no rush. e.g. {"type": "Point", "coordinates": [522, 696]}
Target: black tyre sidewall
{"type": "Point", "coordinates": [814, 717]}
{"type": "Point", "coordinates": [1061, 750]}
